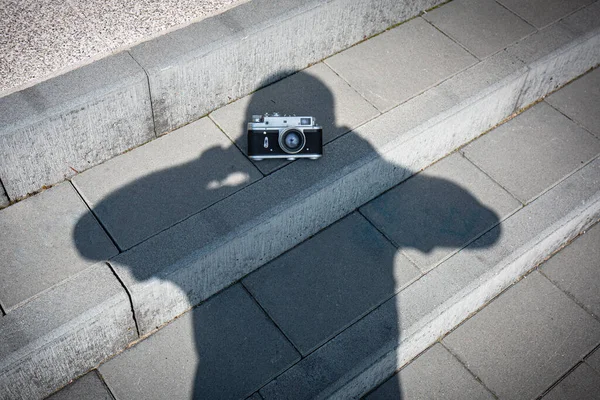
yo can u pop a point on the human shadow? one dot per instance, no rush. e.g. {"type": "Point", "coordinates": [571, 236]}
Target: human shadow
{"type": "Point", "coordinates": [326, 283]}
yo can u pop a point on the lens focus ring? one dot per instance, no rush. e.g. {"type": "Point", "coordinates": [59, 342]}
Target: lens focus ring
{"type": "Point", "coordinates": [292, 141]}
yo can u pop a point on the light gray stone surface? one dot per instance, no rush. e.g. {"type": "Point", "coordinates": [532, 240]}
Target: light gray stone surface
{"type": "Point", "coordinates": [541, 43]}
{"type": "Point", "coordinates": [436, 374]}
{"type": "Point", "coordinates": [63, 333]}
{"type": "Point", "coordinates": [197, 69]}
{"type": "Point", "coordinates": [482, 26]}
{"type": "Point", "coordinates": [390, 68]}
{"type": "Point", "coordinates": [316, 91]}
{"type": "Point", "coordinates": [533, 151]}
{"type": "Point", "coordinates": [553, 60]}
{"type": "Point", "coordinates": [593, 360]}
{"type": "Point", "coordinates": [37, 246]}
{"type": "Point", "coordinates": [35, 46]}
{"type": "Point", "coordinates": [157, 185]}
{"type": "Point", "coordinates": [526, 339]}
{"type": "Point", "coordinates": [580, 101]}
{"type": "Point", "coordinates": [543, 12]}
{"type": "Point", "coordinates": [72, 122]}
{"type": "Point", "coordinates": [439, 211]}
{"type": "Point", "coordinates": [576, 270]}
{"type": "Point", "coordinates": [319, 288]}
{"type": "Point", "coordinates": [3, 198]}
{"type": "Point", "coordinates": [226, 348]}
{"type": "Point", "coordinates": [355, 361]}
{"type": "Point", "coordinates": [584, 20]}
{"type": "Point", "coordinates": [88, 387]}
{"type": "Point", "coordinates": [583, 384]}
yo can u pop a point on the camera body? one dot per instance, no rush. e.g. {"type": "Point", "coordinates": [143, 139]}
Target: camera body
{"type": "Point", "coordinates": [284, 136]}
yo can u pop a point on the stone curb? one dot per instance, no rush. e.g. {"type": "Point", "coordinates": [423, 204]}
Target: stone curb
{"type": "Point", "coordinates": [55, 129]}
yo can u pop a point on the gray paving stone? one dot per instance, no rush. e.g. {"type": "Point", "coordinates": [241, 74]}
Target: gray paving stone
{"type": "Point", "coordinates": [88, 387]}
{"type": "Point", "coordinates": [582, 384]}
{"type": "Point", "coordinates": [482, 26]}
{"type": "Point", "coordinates": [526, 339]}
{"type": "Point", "coordinates": [584, 20]}
{"type": "Point", "coordinates": [4, 202]}
{"type": "Point", "coordinates": [148, 189]}
{"type": "Point", "coordinates": [63, 333]}
{"type": "Point", "coordinates": [541, 43]}
{"type": "Point", "coordinates": [316, 91]}
{"type": "Point", "coordinates": [195, 70]}
{"type": "Point", "coordinates": [322, 286]}
{"type": "Point", "coordinates": [436, 374]}
{"type": "Point", "coordinates": [543, 12]}
{"type": "Point", "coordinates": [37, 245]}
{"type": "Point", "coordinates": [580, 101]}
{"type": "Point", "coordinates": [593, 360]}
{"type": "Point", "coordinates": [553, 62]}
{"type": "Point", "coordinates": [533, 151]}
{"type": "Point", "coordinates": [390, 68]}
{"type": "Point", "coordinates": [575, 270]}
{"type": "Point", "coordinates": [437, 212]}
{"type": "Point", "coordinates": [72, 122]}
{"type": "Point", "coordinates": [226, 348]}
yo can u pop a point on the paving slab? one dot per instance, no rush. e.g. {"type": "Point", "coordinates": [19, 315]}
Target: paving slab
{"type": "Point", "coordinates": [533, 151]}
{"type": "Point", "coordinates": [67, 124]}
{"type": "Point", "coordinates": [440, 210]}
{"type": "Point", "coordinates": [582, 384]}
{"type": "Point", "coordinates": [593, 360]}
{"type": "Point", "coordinates": [4, 202]}
{"type": "Point", "coordinates": [316, 91]}
{"type": "Point", "coordinates": [317, 289]}
{"type": "Point", "coordinates": [226, 348]}
{"type": "Point", "coordinates": [580, 101]}
{"type": "Point", "coordinates": [400, 63]}
{"type": "Point", "coordinates": [575, 270]}
{"type": "Point", "coordinates": [34, 260]}
{"type": "Point", "coordinates": [541, 43]}
{"type": "Point", "coordinates": [435, 374]}
{"type": "Point", "coordinates": [64, 332]}
{"type": "Point", "coordinates": [89, 387]}
{"type": "Point", "coordinates": [526, 339]}
{"type": "Point", "coordinates": [584, 20]}
{"type": "Point", "coordinates": [543, 12]}
{"type": "Point", "coordinates": [157, 185]}
{"type": "Point", "coordinates": [482, 26]}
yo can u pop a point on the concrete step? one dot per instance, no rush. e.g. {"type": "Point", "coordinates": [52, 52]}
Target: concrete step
{"type": "Point", "coordinates": [57, 128]}
{"type": "Point", "coordinates": [171, 261]}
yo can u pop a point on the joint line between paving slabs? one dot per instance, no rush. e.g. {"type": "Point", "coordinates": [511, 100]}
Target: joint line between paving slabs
{"type": "Point", "coordinates": [569, 118]}
{"type": "Point", "coordinates": [456, 41]}
{"type": "Point", "coordinates": [468, 370]}
{"type": "Point", "coordinates": [149, 93]}
{"type": "Point", "coordinates": [137, 328]}
{"type": "Point", "coordinates": [271, 318]}
{"type": "Point", "coordinates": [96, 217]}
{"type": "Point", "coordinates": [99, 375]}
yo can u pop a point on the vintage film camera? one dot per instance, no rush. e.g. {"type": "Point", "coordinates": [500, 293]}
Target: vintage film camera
{"type": "Point", "coordinates": [284, 136]}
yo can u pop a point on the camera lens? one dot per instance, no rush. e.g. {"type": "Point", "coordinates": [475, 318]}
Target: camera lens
{"type": "Point", "coordinates": [292, 141]}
